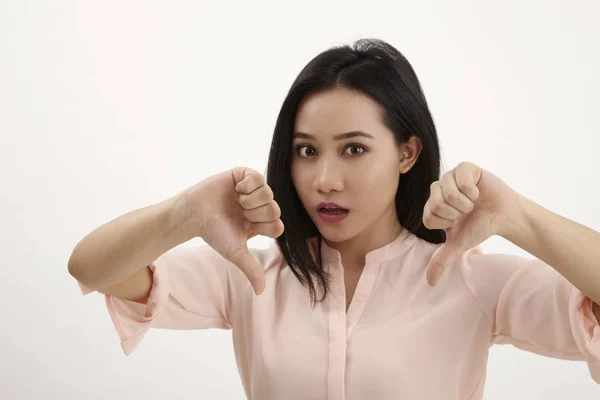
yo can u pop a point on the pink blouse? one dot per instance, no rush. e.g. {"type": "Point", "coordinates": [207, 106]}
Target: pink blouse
{"type": "Point", "coordinates": [400, 338]}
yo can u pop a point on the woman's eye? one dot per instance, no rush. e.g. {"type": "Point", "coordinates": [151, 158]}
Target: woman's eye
{"type": "Point", "coordinates": [304, 150]}
{"type": "Point", "coordinates": [355, 150]}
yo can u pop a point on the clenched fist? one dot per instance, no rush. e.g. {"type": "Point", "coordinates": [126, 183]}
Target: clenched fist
{"type": "Point", "coordinates": [230, 208]}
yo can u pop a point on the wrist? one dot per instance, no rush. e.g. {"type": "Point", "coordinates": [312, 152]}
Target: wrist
{"type": "Point", "coordinates": [180, 222]}
{"type": "Point", "coordinates": [517, 223]}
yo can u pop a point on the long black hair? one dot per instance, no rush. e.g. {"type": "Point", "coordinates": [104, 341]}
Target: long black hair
{"type": "Point", "coordinates": [376, 69]}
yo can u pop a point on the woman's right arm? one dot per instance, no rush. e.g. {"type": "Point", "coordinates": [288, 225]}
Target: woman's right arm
{"type": "Point", "coordinates": [114, 259]}
{"type": "Point", "coordinates": [224, 210]}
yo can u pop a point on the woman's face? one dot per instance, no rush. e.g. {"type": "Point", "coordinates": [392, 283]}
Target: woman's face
{"type": "Point", "coordinates": [344, 154]}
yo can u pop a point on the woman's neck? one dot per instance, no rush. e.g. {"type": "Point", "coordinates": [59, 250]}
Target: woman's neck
{"type": "Point", "coordinates": [354, 250]}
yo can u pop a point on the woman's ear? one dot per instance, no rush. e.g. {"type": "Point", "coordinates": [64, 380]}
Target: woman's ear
{"type": "Point", "coordinates": [409, 153]}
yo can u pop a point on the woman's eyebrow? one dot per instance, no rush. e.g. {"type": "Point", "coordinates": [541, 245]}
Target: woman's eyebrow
{"type": "Point", "coordinates": [341, 136]}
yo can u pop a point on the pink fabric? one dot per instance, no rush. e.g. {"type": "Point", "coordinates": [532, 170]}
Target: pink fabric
{"type": "Point", "coordinates": [399, 339]}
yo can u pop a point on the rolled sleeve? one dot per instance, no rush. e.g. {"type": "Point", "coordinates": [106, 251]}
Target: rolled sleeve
{"type": "Point", "coordinates": [192, 288]}
{"type": "Point", "coordinates": [533, 307]}
{"type": "Point", "coordinates": [133, 320]}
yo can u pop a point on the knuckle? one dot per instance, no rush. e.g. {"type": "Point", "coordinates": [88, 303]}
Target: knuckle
{"type": "Point", "coordinates": [267, 195]}
{"type": "Point", "coordinates": [451, 197]}
{"type": "Point", "coordinates": [275, 212]}
{"type": "Point", "coordinates": [279, 228]}
{"type": "Point", "coordinates": [463, 187]}
{"type": "Point", "coordinates": [427, 223]}
{"type": "Point", "coordinates": [436, 208]}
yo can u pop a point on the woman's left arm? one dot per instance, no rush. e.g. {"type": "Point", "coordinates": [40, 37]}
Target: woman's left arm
{"type": "Point", "coordinates": [471, 204]}
{"type": "Point", "coordinates": [542, 305]}
{"type": "Point", "coordinates": [569, 247]}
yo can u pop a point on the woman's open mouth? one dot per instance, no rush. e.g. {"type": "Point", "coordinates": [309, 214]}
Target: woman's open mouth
{"type": "Point", "coordinates": [331, 212]}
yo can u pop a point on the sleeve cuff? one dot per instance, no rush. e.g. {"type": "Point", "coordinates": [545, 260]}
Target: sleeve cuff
{"type": "Point", "coordinates": [586, 330]}
{"type": "Point", "coordinates": [132, 320]}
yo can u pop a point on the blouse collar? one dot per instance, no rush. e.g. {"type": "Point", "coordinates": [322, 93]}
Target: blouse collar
{"type": "Point", "coordinates": [401, 244]}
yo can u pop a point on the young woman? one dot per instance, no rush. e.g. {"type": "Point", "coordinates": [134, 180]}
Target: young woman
{"type": "Point", "coordinates": [376, 288]}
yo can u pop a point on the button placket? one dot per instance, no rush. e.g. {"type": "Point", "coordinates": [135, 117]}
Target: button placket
{"type": "Point", "coordinates": [337, 335]}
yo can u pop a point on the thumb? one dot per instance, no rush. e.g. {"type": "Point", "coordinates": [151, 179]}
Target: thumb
{"type": "Point", "coordinates": [442, 258]}
{"type": "Point", "coordinates": [250, 267]}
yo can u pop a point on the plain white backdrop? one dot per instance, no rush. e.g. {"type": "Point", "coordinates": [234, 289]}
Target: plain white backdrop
{"type": "Point", "coordinates": [110, 106]}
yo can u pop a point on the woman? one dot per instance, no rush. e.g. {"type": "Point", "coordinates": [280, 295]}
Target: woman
{"type": "Point", "coordinates": [376, 287]}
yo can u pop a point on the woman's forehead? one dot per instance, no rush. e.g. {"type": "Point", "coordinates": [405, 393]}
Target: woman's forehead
{"type": "Point", "coordinates": [336, 112]}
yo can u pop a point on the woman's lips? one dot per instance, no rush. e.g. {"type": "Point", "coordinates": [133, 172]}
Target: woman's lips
{"type": "Point", "coordinates": [331, 212]}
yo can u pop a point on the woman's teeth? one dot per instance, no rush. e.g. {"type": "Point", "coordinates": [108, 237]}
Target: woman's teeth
{"type": "Point", "coordinates": [334, 210]}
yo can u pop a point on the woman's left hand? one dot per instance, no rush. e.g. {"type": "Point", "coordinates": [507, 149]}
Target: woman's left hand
{"type": "Point", "coordinates": [470, 204]}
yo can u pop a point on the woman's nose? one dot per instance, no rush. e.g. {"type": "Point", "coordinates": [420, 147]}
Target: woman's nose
{"type": "Point", "coordinates": [328, 177]}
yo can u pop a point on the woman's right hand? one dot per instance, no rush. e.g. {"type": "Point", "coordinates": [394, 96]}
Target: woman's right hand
{"type": "Point", "coordinates": [228, 209]}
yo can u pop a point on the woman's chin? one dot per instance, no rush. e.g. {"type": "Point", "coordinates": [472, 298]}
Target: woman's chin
{"type": "Point", "coordinates": [334, 235]}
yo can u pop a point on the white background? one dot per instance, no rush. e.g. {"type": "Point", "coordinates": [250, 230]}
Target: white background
{"type": "Point", "coordinates": [110, 106]}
